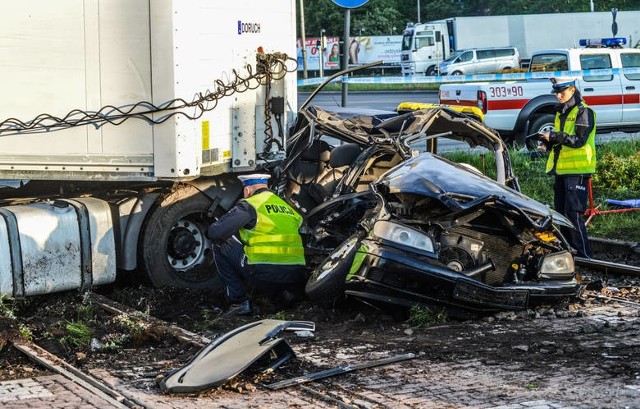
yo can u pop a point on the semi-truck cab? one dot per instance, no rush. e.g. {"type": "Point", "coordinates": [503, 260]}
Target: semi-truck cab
{"type": "Point", "coordinates": [424, 47]}
{"type": "Point", "coordinates": [123, 125]}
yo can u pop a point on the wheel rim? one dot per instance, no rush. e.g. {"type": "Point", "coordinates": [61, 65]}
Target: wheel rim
{"type": "Point", "coordinates": [336, 258]}
{"type": "Point", "coordinates": [187, 246]}
{"type": "Point", "coordinates": [548, 127]}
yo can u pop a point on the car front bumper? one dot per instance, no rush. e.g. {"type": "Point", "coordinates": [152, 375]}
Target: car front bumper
{"type": "Point", "coordinates": [400, 277]}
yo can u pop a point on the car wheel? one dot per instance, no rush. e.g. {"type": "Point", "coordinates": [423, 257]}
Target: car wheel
{"type": "Point", "coordinates": [174, 249]}
{"type": "Point", "coordinates": [326, 284]}
{"type": "Point", "coordinates": [543, 123]}
{"type": "Point", "coordinates": [456, 73]}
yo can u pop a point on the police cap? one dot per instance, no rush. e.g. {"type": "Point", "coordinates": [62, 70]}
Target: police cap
{"type": "Point", "coordinates": [254, 179]}
{"type": "Point", "coordinates": [559, 84]}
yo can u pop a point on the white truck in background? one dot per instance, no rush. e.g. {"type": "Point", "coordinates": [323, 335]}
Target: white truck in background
{"type": "Point", "coordinates": [608, 78]}
{"type": "Point", "coordinates": [122, 124]}
{"type": "Point", "coordinates": [426, 45]}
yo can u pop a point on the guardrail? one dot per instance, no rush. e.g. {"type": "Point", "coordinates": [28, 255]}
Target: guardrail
{"type": "Point", "coordinates": [513, 76]}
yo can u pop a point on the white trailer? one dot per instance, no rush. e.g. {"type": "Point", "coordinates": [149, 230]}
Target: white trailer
{"type": "Point", "coordinates": [425, 45]}
{"type": "Point", "coordinates": [121, 125]}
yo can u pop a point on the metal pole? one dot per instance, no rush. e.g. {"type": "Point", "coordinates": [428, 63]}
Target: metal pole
{"type": "Point", "coordinates": [419, 11]}
{"type": "Point", "coordinates": [321, 53]}
{"type": "Point", "coordinates": [345, 55]}
{"type": "Point", "coordinates": [303, 38]}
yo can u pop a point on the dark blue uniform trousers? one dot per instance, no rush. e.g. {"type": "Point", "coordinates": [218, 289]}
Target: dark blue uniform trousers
{"type": "Point", "coordinates": [235, 272]}
{"type": "Point", "coordinates": [571, 195]}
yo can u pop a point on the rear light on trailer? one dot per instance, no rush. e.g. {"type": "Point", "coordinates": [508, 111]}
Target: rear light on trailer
{"type": "Point", "coordinates": [482, 101]}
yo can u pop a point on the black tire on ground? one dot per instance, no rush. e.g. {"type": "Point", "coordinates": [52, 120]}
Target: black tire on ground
{"type": "Point", "coordinates": [326, 284]}
{"type": "Point", "coordinates": [174, 251]}
{"type": "Point", "coordinates": [543, 123]}
{"type": "Point", "coordinates": [431, 70]}
{"type": "Point", "coordinates": [456, 73]}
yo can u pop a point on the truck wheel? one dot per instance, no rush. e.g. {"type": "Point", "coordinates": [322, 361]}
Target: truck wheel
{"type": "Point", "coordinates": [326, 284]}
{"type": "Point", "coordinates": [430, 71]}
{"type": "Point", "coordinates": [543, 123]}
{"type": "Point", "coordinates": [174, 249]}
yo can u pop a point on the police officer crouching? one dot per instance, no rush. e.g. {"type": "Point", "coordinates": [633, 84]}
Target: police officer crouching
{"type": "Point", "coordinates": [572, 158]}
{"type": "Point", "coordinates": [257, 242]}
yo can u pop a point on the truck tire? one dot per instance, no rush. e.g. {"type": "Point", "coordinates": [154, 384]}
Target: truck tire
{"type": "Point", "coordinates": [174, 249]}
{"type": "Point", "coordinates": [542, 123]}
{"type": "Point", "coordinates": [430, 71]}
{"type": "Point", "coordinates": [326, 284]}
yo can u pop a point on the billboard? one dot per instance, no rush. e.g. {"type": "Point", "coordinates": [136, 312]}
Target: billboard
{"type": "Point", "coordinates": [330, 54]}
{"type": "Point", "coordinates": [362, 50]}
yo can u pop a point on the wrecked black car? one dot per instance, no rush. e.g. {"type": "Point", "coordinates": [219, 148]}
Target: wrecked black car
{"type": "Point", "coordinates": [388, 220]}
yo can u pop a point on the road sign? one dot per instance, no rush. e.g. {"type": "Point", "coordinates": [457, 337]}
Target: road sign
{"type": "Point", "coordinates": [350, 4]}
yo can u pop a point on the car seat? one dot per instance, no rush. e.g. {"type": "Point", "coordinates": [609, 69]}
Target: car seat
{"type": "Point", "coordinates": [340, 160]}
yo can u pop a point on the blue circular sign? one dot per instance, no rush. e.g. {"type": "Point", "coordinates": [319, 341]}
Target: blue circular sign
{"type": "Point", "coordinates": [350, 4]}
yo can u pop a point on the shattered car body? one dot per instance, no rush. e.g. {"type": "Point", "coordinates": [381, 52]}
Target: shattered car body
{"type": "Point", "coordinates": [479, 245]}
{"type": "Point", "coordinates": [386, 223]}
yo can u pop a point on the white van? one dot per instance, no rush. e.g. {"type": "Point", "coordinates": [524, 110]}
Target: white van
{"type": "Point", "coordinates": [480, 61]}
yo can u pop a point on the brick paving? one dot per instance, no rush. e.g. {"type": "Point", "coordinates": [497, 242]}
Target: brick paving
{"type": "Point", "coordinates": [423, 383]}
{"type": "Point", "coordinates": [53, 391]}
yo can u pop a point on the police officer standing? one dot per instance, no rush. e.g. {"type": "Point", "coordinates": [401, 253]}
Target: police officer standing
{"type": "Point", "coordinates": [257, 242]}
{"type": "Point", "coordinates": [572, 158]}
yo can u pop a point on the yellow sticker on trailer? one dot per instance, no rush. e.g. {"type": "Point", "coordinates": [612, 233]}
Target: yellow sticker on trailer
{"type": "Point", "coordinates": [205, 135]}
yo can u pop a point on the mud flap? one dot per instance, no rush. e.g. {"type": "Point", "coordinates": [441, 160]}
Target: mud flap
{"type": "Point", "coordinates": [232, 353]}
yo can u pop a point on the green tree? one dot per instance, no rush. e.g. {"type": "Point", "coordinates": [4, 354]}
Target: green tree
{"type": "Point", "coordinates": [322, 14]}
{"type": "Point", "coordinates": [378, 17]}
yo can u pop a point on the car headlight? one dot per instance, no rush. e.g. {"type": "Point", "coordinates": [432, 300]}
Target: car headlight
{"type": "Point", "coordinates": [402, 235]}
{"type": "Point", "coordinates": [557, 266]}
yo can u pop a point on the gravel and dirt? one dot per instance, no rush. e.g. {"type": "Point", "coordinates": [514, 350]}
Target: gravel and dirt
{"type": "Point", "coordinates": [581, 353]}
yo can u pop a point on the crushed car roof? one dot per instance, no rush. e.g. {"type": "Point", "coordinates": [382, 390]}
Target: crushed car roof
{"type": "Point", "coordinates": [433, 176]}
{"type": "Point", "coordinates": [361, 125]}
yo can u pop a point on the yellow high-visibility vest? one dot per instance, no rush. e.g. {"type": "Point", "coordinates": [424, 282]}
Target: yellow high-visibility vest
{"type": "Point", "coordinates": [574, 161]}
{"type": "Point", "coordinates": [275, 238]}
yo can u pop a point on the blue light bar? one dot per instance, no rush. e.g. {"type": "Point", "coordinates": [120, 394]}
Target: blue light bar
{"type": "Point", "coordinates": [603, 42]}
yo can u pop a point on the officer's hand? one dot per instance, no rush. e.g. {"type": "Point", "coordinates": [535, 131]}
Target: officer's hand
{"type": "Point", "coordinates": [543, 139]}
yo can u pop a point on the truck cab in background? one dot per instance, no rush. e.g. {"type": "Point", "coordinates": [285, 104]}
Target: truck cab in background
{"type": "Point", "coordinates": [424, 47]}
{"type": "Point", "coordinates": [609, 82]}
